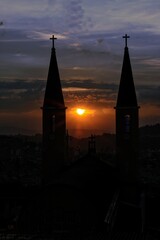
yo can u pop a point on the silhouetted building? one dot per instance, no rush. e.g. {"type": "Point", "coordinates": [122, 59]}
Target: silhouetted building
{"type": "Point", "coordinates": [83, 200]}
{"type": "Point", "coordinates": [54, 122]}
{"type": "Point", "coordinates": [127, 122]}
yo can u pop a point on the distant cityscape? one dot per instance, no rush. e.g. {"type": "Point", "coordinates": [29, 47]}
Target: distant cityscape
{"type": "Point", "coordinates": [21, 155]}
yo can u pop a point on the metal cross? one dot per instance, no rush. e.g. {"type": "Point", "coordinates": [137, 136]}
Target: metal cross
{"type": "Point", "coordinates": [126, 37]}
{"type": "Point", "coordinates": [53, 38]}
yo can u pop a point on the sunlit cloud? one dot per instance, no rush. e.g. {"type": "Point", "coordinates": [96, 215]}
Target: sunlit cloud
{"type": "Point", "coordinates": [78, 68]}
{"type": "Point", "coordinates": [45, 36]}
{"type": "Point", "coordinates": [74, 89]}
{"type": "Point", "coordinates": [77, 45]}
{"type": "Point", "coordinates": [152, 62]}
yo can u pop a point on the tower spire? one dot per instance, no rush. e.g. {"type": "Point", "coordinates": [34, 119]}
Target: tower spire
{"type": "Point", "coordinates": [126, 94]}
{"type": "Point", "coordinates": [127, 121]}
{"type": "Point", "coordinates": [54, 122]}
{"type": "Point", "coordinates": [53, 94]}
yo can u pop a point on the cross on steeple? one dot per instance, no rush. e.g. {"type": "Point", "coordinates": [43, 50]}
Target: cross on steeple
{"type": "Point", "coordinates": [126, 37]}
{"type": "Point", "coordinates": [53, 38]}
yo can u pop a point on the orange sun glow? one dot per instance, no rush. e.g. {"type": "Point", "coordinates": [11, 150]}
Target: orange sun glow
{"type": "Point", "coordinates": [80, 111]}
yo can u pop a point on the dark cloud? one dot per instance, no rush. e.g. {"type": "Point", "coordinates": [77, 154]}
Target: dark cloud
{"type": "Point", "coordinates": [16, 41]}
{"type": "Point", "coordinates": [149, 94]}
{"type": "Point", "coordinates": [20, 95]}
{"type": "Point", "coordinates": [104, 93]}
{"type": "Point", "coordinates": [89, 84]}
{"type": "Point", "coordinates": [76, 19]}
{"type": "Point", "coordinates": [26, 95]}
{"type": "Point", "coordinates": [93, 98]}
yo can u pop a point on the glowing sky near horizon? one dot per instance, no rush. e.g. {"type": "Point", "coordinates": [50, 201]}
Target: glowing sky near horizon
{"type": "Point", "coordinates": [89, 53]}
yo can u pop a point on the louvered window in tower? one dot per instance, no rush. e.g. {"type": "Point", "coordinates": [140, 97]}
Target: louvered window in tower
{"type": "Point", "coordinates": [127, 120]}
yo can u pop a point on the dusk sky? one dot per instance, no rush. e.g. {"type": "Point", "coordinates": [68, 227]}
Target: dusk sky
{"type": "Point", "coordinates": [89, 51]}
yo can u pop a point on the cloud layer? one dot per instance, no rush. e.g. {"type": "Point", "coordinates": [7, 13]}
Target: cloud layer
{"type": "Point", "coordinates": [89, 51]}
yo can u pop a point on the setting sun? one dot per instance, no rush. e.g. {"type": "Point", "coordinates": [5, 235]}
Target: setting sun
{"type": "Point", "coordinates": [80, 111]}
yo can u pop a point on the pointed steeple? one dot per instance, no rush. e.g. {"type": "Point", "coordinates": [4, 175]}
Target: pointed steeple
{"type": "Point", "coordinates": [126, 93]}
{"type": "Point", "coordinates": [53, 122]}
{"type": "Point", "coordinates": [127, 123]}
{"type": "Point", "coordinates": [53, 94]}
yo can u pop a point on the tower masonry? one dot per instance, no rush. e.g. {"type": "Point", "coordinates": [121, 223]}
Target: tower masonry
{"type": "Point", "coordinates": [54, 122]}
{"type": "Point", "coordinates": [127, 122]}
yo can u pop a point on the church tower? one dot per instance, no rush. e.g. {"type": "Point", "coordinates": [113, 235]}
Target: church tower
{"type": "Point", "coordinates": [54, 122]}
{"type": "Point", "coordinates": [127, 122]}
